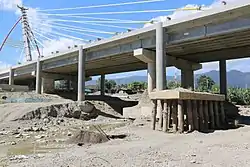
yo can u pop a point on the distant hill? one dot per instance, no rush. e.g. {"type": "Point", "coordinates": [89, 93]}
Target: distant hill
{"type": "Point", "coordinates": [234, 78]}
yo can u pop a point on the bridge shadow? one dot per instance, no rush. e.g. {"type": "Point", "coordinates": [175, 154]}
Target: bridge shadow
{"type": "Point", "coordinates": [114, 102]}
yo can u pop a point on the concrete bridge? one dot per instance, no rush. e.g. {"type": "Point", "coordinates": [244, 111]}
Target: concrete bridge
{"type": "Point", "coordinates": [219, 34]}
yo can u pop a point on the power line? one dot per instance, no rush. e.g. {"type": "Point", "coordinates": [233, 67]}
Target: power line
{"type": "Point", "coordinates": [105, 5]}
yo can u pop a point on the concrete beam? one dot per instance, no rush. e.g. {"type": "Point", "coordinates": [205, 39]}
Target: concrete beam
{"type": "Point", "coordinates": [148, 56]}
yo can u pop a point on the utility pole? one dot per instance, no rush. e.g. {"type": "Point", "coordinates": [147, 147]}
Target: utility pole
{"type": "Point", "coordinates": [26, 40]}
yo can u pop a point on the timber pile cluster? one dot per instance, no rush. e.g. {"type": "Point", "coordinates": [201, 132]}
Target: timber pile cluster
{"type": "Point", "coordinates": [188, 115]}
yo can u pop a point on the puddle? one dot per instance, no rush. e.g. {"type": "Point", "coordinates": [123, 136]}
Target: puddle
{"type": "Point", "coordinates": [30, 149]}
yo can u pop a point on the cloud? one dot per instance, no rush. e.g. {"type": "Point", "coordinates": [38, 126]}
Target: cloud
{"type": "Point", "coordinates": [9, 5]}
{"type": "Point", "coordinates": [4, 66]}
{"type": "Point", "coordinates": [60, 44]}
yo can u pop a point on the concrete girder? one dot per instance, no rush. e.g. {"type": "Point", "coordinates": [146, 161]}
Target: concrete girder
{"type": "Point", "coordinates": [148, 56]}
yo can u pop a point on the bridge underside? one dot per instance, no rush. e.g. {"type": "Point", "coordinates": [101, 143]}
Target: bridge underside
{"type": "Point", "coordinates": [212, 48]}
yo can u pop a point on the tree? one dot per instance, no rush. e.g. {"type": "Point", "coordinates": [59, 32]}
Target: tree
{"type": "Point", "coordinates": [205, 83]}
{"type": "Point", "coordinates": [136, 86]}
{"type": "Point", "coordinates": [215, 89]}
{"type": "Point", "coordinates": [173, 84]}
{"type": "Point", "coordinates": [109, 84]}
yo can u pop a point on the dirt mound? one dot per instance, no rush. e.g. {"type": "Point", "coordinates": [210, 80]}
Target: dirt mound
{"type": "Point", "coordinates": [145, 100]}
{"type": "Point", "coordinates": [79, 110]}
{"type": "Point", "coordinates": [85, 137]}
{"type": "Point", "coordinates": [28, 97]}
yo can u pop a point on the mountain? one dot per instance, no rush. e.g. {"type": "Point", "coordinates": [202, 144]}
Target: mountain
{"type": "Point", "coordinates": [234, 78]}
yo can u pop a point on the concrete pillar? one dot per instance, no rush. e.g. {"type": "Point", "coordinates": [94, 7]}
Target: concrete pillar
{"type": "Point", "coordinates": [187, 79]}
{"type": "Point", "coordinates": [38, 77]}
{"type": "Point", "coordinates": [151, 77]}
{"type": "Point", "coordinates": [48, 85]}
{"type": "Point", "coordinates": [102, 86]}
{"type": "Point", "coordinates": [11, 76]}
{"type": "Point", "coordinates": [81, 75]}
{"type": "Point", "coordinates": [223, 77]}
{"type": "Point", "coordinates": [160, 66]}
{"type": "Point", "coordinates": [160, 57]}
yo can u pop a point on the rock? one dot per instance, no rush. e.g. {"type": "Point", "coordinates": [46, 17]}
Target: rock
{"type": "Point", "coordinates": [27, 129]}
{"type": "Point", "coordinates": [15, 132]}
{"type": "Point", "coordinates": [58, 122]}
{"type": "Point", "coordinates": [13, 143]}
{"type": "Point", "coordinates": [18, 157]}
{"type": "Point", "coordinates": [80, 144]}
{"type": "Point", "coordinates": [193, 161]}
{"type": "Point", "coordinates": [35, 129]}
{"type": "Point", "coordinates": [2, 142]}
{"type": "Point", "coordinates": [46, 120]}
{"type": "Point", "coordinates": [3, 133]}
{"type": "Point", "coordinates": [59, 140]}
{"type": "Point", "coordinates": [43, 129]}
{"type": "Point", "coordinates": [40, 137]}
{"type": "Point", "coordinates": [18, 136]}
{"type": "Point", "coordinates": [69, 134]}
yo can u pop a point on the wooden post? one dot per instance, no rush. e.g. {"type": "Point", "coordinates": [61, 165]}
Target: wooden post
{"type": "Point", "coordinates": [169, 110]}
{"type": "Point", "coordinates": [222, 113]}
{"type": "Point", "coordinates": [154, 112]}
{"type": "Point", "coordinates": [190, 116]}
{"type": "Point", "coordinates": [165, 116]}
{"type": "Point", "coordinates": [160, 109]}
{"type": "Point", "coordinates": [180, 116]}
{"type": "Point", "coordinates": [195, 115]}
{"type": "Point", "coordinates": [217, 117]}
{"type": "Point", "coordinates": [174, 114]}
{"type": "Point", "coordinates": [201, 115]}
{"type": "Point", "coordinates": [211, 113]}
{"type": "Point", "coordinates": [206, 116]}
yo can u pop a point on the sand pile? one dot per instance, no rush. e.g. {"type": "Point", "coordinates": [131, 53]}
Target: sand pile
{"type": "Point", "coordinates": [85, 137]}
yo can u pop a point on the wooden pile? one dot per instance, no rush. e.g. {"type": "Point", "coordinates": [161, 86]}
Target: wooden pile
{"type": "Point", "coordinates": [188, 114]}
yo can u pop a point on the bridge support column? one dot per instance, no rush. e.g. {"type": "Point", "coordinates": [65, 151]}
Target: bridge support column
{"type": "Point", "coordinates": [102, 86]}
{"type": "Point", "coordinates": [223, 77]}
{"type": "Point", "coordinates": [151, 76]}
{"type": "Point", "coordinates": [160, 57]}
{"type": "Point", "coordinates": [48, 85]}
{"type": "Point", "coordinates": [187, 79]}
{"type": "Point", "coordinates": [160, 67]}
{"type": "Point", "coordinates": [11, 76]}
{"type": "Point", "coordinates": [81, 75]}
{"type": "Point", "coordinates": [38, 77]}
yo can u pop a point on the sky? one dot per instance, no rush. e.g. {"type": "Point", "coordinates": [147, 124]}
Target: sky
{"type": "Point", "coordinates": [41, 23]}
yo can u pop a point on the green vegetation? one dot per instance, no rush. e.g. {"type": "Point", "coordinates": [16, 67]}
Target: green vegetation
{"type": "Point", "coordinates": [137, 86]}
{"type": "Point", "coordinates": [239, 96]}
